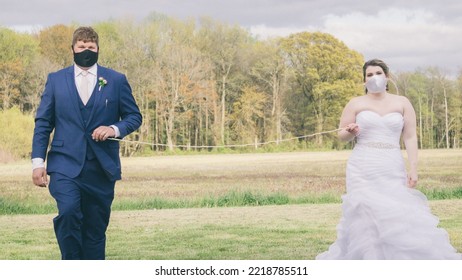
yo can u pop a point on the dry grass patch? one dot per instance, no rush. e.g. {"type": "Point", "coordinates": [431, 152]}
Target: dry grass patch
{"type": "Point", "coordinates": [229, 180]}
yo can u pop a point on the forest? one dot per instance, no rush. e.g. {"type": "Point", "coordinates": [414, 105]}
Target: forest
{"type": "Point", "coordinates": [203, 85]}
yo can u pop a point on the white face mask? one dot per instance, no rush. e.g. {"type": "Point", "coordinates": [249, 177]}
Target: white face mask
{"type": "Point", "coordinates": [376, 84]}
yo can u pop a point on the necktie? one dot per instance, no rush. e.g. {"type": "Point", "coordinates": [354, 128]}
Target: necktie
{"type": "Point", "coordinates": [84, 94]}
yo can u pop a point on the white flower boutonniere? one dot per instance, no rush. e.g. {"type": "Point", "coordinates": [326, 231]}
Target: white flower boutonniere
{"type": "Point", "coordinates": [102, 82]}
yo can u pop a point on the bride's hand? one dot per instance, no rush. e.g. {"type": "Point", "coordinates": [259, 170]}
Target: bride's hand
{"type": "Point", "coordinates": [412, 180]}
{"type": "Point", "coordinates": [353, 128]}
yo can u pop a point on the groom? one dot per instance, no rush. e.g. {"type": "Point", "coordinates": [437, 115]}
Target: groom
{"type": "Point", "coordinates": [84, 105]}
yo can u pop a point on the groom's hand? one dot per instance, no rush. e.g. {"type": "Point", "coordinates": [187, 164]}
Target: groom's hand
{"type": "Point", "coordinates": [39, 177]}
{"type": "Point", "coordinates": [102, 133]}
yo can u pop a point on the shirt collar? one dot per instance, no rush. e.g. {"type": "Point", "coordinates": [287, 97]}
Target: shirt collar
{"type": "Point", "coordinates": [92, 70]}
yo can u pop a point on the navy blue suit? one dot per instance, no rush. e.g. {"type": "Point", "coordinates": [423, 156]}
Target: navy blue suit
{"type": "Point", "coordinates": [82, 171]}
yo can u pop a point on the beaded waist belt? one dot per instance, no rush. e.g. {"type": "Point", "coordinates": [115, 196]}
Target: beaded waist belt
{"type": "Point", "coordinates": [379, 145]}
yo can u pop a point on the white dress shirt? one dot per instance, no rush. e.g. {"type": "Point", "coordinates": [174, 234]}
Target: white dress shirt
{"type": "Point", "coordinates": [91, 77]}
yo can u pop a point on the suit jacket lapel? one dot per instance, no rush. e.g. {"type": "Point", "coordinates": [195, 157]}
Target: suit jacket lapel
{"type": "Point", "coordinates": [73, 94]}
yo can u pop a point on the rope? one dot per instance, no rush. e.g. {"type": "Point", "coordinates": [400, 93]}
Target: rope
{"type": "Point", "coordinates": [226, 146]}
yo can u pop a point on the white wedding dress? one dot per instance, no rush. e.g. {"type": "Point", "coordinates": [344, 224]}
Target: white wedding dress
{"type": "Point", "coordinates": [382, 217]}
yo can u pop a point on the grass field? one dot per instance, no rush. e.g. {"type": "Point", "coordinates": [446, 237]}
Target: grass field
{"type": "Point", "coordinates": [278, 206]}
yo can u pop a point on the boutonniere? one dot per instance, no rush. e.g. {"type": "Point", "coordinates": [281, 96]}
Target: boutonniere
{"type": "Point", "coordinates": [102, 82]}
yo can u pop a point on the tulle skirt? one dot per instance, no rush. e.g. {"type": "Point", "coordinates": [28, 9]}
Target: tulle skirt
{"type": "Point", "coordinates": [382, 218]}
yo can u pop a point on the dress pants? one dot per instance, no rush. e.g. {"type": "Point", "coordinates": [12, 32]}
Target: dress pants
{"type": "Point", "coordinates": [84, 207]}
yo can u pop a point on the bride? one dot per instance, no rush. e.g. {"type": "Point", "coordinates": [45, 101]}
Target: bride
{"type": "Point", "coordinates": [384, 216]}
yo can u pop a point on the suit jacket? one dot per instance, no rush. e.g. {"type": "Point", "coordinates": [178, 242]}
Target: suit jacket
{"type": "Point", "coordinates": [59, 111]}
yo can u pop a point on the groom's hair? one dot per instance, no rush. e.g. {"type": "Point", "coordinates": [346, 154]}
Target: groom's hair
{"type": "Point", "coordinates": [86, 34]}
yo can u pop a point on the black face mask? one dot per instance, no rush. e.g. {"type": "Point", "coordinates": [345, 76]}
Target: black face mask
{"type": "Point", "coordinates": [86, 58]}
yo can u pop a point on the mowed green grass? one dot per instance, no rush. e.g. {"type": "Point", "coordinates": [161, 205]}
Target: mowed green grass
{"type": "Point", "coordinates": [170, 206]}
{"type": "Point", "coordinates": [280, 232]}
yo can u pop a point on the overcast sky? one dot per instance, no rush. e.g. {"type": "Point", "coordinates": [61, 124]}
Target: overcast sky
{"type": "Point", "coordinates": [407, 34]}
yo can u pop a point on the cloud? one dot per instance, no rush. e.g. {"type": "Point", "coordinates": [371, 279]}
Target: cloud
{"type": "Point", "coordinates": [26, 28]}
{"type": "Point", "coordinates": [262, 31]}
{"type": "Point", "coordinates": [407, 34]}
{"type": "Point", "coordinates": [406, 39]}
{"type": "Point", "coordinates": [390, 31]}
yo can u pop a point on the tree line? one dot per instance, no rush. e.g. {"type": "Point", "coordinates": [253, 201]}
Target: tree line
{"type": "Point", "coordinates": [206, 83]}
